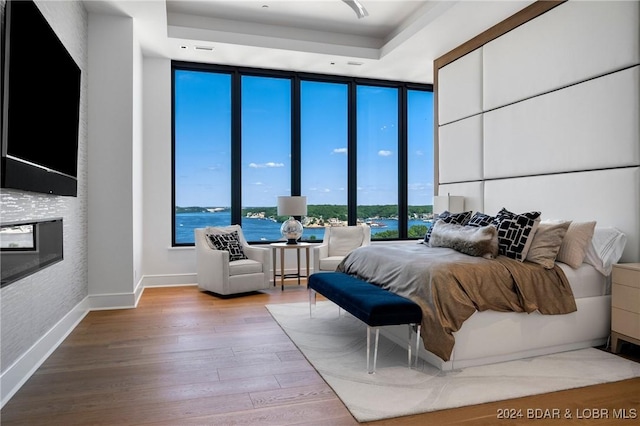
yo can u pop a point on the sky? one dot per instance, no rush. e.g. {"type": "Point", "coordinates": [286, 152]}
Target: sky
{"type": "Point", "coordinates": [203, 142]}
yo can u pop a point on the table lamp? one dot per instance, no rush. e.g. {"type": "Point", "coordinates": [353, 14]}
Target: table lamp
{"type": "Point", "coordinates": [292, 206]}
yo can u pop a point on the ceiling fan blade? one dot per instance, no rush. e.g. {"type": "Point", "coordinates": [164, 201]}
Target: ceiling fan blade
{"type": "Point", "coordinates": [357, 7]}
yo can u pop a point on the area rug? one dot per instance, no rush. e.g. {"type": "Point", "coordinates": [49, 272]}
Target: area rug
{"type": "Point", "coordinates": [336, 347]}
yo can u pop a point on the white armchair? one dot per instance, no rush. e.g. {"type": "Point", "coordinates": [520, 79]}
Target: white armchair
{"type": "Point", "coordinates": [339, 241]}
{"type": "Point", "coordinates": [220, 275]}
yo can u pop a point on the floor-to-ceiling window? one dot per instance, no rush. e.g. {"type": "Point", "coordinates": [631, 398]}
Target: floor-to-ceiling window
{"type": "Point", "coordinates": [201, 152]}
{"type": "Point", "coordinates": [377, 159]}
{"type": "Point", "coordinates": [266, 153]}
{"type": "Point", "coordinates": [361, 151]}
{"type": "Point", "coordinates": [324, 145]}
{"type": "Point", "coordinates": [420, 161]}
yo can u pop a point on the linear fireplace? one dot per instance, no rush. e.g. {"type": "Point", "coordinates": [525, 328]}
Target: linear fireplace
{"type": "Point", "coordinates": [29, 246]}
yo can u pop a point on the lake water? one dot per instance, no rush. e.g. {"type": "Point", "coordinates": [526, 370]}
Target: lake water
{"type": "Point", "coordinates": [258, 229]}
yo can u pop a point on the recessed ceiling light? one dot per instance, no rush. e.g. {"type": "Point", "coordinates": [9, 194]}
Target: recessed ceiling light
{"type": "Point", "coordinates": [354, 63]}
{"type": "Point", "coordinates": [207, 48]}
{"type": "Point", "coordinates": [265, 6]}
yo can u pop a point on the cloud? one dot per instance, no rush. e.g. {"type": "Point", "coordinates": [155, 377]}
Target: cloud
{"type": "Point", "coordinates": [419, 186]}
{"type": "Point", "coordinates": [339, 151]}
{"type": "Point", "coordinates": [268, 165]}
{"type": "Point", "coordinates": [419, 152]}
{"type": "Point", "coordinates": [316, 189]}
{"type": "Point", "coordinates": [384, 153]}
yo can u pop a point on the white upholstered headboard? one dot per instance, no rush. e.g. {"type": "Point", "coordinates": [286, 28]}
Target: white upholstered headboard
{"type": "Point", "coordinates": [545, 116]}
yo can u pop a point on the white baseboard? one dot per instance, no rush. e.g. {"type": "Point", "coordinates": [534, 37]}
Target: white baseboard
{"type": "Point", "coordinates": [176, 280]}
{"type": "Point", "coordinates": [19, 372]}
{"type": "Point", "coordinates": [169, 280]}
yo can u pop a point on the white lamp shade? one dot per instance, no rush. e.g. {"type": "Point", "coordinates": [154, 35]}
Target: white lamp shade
{"type": "Point", "coordinates": [292, 206]}
{"type": "Point", "coordinates": [450, 203]}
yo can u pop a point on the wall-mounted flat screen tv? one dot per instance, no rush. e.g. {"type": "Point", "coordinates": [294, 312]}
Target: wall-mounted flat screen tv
{"type": "Point", "coordinates": [40, 105]}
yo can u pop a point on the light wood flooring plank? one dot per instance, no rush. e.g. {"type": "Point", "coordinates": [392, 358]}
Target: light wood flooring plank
{"type": "Point", "coordinates": [187, 357]}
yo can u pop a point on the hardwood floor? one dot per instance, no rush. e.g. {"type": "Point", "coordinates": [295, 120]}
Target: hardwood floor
{"type": "Point", "coordinates": [185, 357]}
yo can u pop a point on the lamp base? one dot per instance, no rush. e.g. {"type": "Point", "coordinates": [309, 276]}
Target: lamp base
{"type": "Point", "coordinates": [291, 230]}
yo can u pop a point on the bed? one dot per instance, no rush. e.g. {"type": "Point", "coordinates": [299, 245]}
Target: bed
{"type": "Point", "coordinates": [521, 124]}
{"type": "Point", "coordinates": [481, 310]}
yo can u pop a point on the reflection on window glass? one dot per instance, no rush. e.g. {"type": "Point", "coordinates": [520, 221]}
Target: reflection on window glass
{"type": "Point", "coordinates": [202, 153]}
{"type": "Point", "coordinates": [324, 133]}
{"type": "Point", "coordinates": [266, 153]}
{"type": "Point", "coordinates": [377, 141]}
{"type": "Point", "coordinates": [419, 161]}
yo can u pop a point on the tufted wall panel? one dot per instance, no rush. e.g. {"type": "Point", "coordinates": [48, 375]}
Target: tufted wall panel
{"type": "Point", "coordinates": [609, 196]}
{"type": "Point", "coordinates": [571, 43]}
{"type": "Point", "coordinates": [560, 132]}
{"type": "Point", "coordinates": [460, 88]}
{"type": "Point", "coordinates": [461, 144]}
{"type": "Point", "coordinates": [571, 129]}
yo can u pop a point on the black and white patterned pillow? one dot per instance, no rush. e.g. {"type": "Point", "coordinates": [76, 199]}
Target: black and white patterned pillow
{"type": "Point", "coordinates": [515, 232]}
{"type": "Point", "coordinates": [480, 219]}
{"type": "Point", "coordinates": [447, 217]}
{"type": "Point", "coordinates": [228, 242]}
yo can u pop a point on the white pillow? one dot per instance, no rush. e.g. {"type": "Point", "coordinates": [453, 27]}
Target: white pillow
{"type": "Point", "coordinates": [607, 245]}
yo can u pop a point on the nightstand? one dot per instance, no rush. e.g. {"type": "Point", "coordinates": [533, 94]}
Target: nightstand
{"type": "Point", "coordinates": [625, 304]}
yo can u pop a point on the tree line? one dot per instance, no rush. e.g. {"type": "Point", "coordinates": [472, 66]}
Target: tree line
{"type": "Point", "coordinates": [326, 211]}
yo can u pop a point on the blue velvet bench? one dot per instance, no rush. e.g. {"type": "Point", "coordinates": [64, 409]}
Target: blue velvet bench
{"type": "Point", "coordinates": [369, 303]}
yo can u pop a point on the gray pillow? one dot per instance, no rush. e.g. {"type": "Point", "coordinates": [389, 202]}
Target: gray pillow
{"type": "Point", "coordinates": [546, 243]}
{"type": "Point", "coordinates": [472, 240]}
{"type": "Point", "coordinates": [447, 217]}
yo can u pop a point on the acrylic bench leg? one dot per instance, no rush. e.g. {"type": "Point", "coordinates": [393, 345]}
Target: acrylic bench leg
{"type": "Point", "coordinates": [410, 327]}
{"type": "Point", "coordinates": [312, 302]}
{"type": "Point", "coordinates": [375, 350]}
{"type": "Point", "coordinates": [418, 328]}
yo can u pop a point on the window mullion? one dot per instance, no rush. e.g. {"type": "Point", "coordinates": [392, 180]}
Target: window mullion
{"type": "Point", "coordinates": [403, 179]}
{"type": "Point", "coordinates": [236, 148]}
{"type": "Point", "coordinates": [296, 150]}
{"type": "Point", "coordinates": [352, 158]}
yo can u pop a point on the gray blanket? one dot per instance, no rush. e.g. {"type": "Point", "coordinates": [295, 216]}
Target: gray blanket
{"type": "Point", "coordinates": [450, 286]}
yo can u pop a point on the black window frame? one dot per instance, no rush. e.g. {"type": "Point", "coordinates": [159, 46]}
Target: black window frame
{"type": "Point", "coordinates": [296, 155]}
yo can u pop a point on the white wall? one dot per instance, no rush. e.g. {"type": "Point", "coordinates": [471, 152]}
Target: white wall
{"type": "Point", "coordinates": [32, 307]}
{"type": "Point", "coordinates": [137, 185]}
{"type": "Point", "coordinates": [103, 232]}
{"type": "Point", "coordinates": [162, 264]}
{"type": "Point", "coordinates": [113, 140]}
